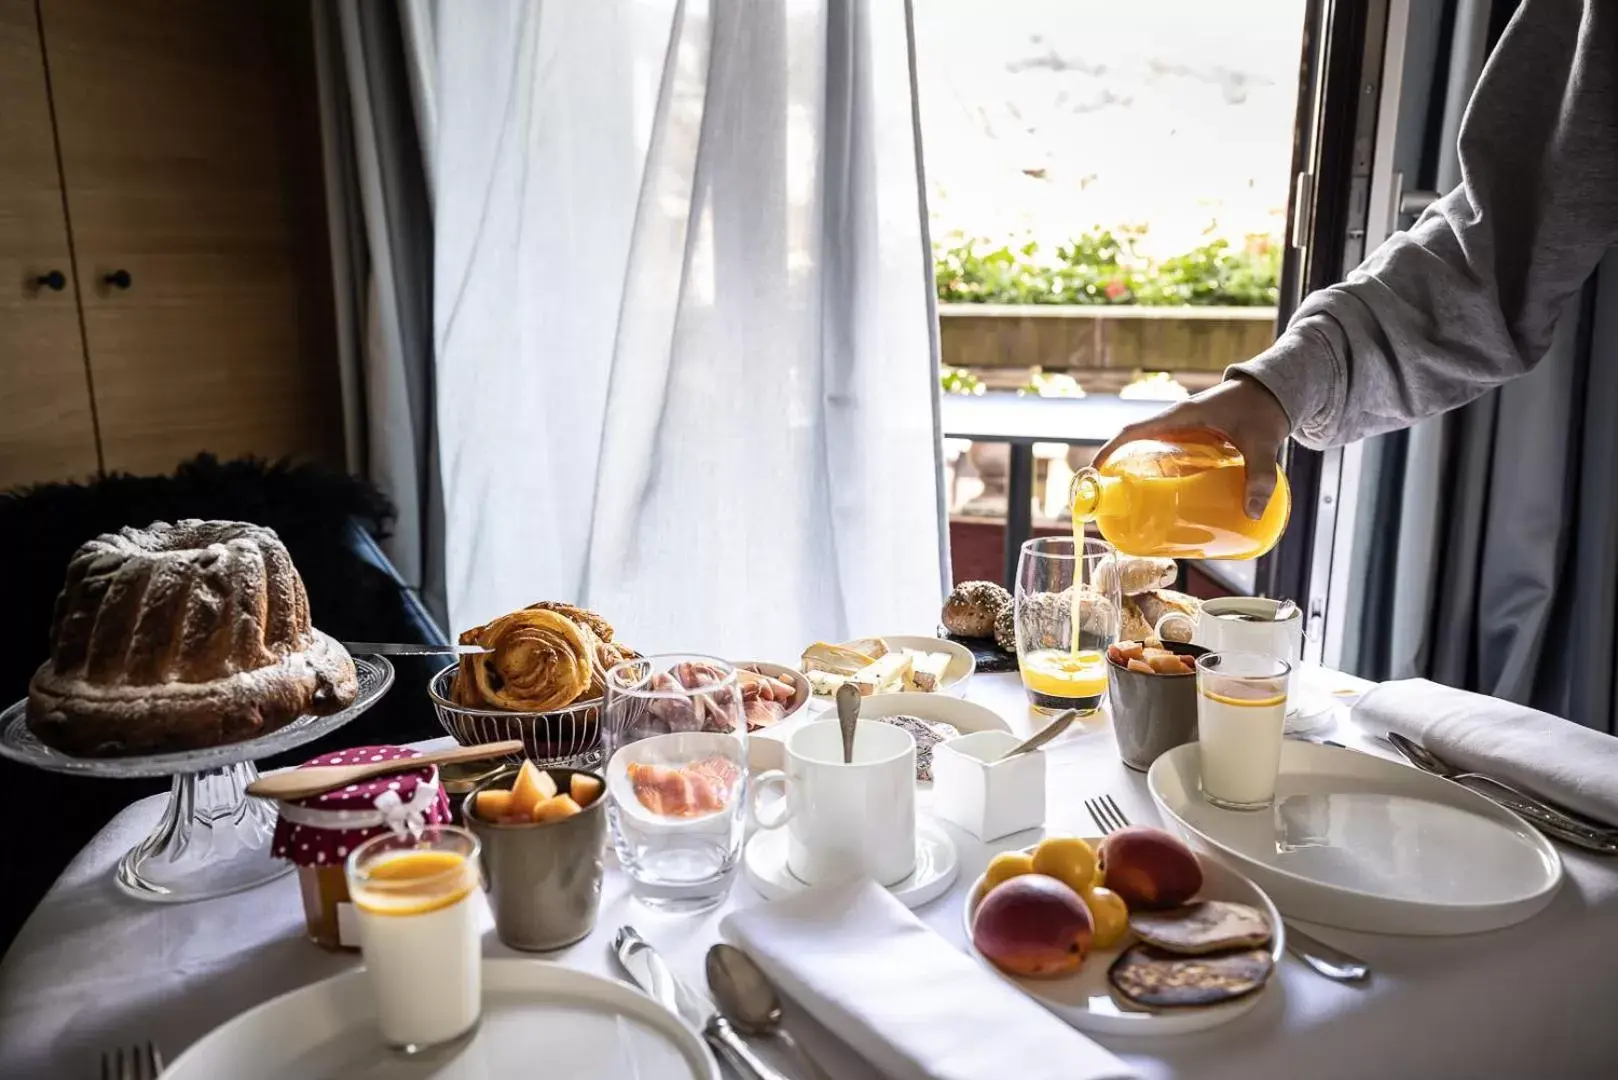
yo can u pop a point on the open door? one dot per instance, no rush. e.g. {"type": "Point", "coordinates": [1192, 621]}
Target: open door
{"type": "Point", "coordinates": [1354, 88]}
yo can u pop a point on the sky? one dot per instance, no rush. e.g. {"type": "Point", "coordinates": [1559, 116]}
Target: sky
{"type": "Point", "coordinates": [1045, 118]}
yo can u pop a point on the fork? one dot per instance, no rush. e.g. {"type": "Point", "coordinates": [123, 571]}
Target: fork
{"type": "Point", "coordinates": [1328, 961]}
{"type": "Point", "coordinates": [139, 1063]}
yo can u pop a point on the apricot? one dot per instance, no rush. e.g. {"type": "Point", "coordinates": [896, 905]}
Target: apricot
{"type": "Point", "coordinates": [1033, 925]}
{"type": "Point", "coordinates": [1109, 914]}
{"type": "Point", "coordinates": [1150, 869]}
{"type": "Point", "coordinates": [1007, 865]}
{"type": "Point", "coordinates": [1068, 859]}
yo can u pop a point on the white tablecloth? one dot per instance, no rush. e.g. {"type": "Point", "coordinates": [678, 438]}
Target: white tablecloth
{"type": "Point", "coordinates": [93, 968]}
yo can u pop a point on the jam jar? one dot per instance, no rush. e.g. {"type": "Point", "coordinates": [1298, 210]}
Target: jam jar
{"type": "Point", "coordinates": [317, 833]}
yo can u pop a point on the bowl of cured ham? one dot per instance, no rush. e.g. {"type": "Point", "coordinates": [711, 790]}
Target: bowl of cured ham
{"type": "Point", "coordinates": [770, 692]}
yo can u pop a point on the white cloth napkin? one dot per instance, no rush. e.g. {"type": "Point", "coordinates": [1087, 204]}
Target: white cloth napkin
{"type": "Point", "coordinates": [905, 999]}
{"type": "Point", "coordinates": [1560, 761]}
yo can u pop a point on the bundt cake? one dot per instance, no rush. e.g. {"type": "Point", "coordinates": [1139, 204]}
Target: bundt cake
{"type": "Point", "coordinates": [178, 637]}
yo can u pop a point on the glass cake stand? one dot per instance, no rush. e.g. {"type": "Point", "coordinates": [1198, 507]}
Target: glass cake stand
{"type": "Point", "coordinates": [213, 838]}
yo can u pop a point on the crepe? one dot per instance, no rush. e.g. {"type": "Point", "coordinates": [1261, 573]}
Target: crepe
{"type": "Point", "coordinates": [1201, 927]}
{"type": "Point", "coordinates": [1154, 979]}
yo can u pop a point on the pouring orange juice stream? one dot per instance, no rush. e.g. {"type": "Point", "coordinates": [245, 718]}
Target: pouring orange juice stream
{"type": "Point", "coordinates": [1180, 500]}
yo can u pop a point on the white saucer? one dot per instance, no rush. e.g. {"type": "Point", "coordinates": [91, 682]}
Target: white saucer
{"type": "Point", "coordinates": [1311, 710]}
{"type": "Point", "coordinates": [764, 863]}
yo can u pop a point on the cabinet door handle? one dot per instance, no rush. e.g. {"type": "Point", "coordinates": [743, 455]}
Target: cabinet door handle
{"type": "Point", "coordinates": [118, 279]}
{"type": "Point", "coordinates": [55, 281]}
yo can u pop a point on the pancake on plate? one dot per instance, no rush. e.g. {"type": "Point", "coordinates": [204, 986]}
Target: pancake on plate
{"type": "Point", "coordinates": [1202, 927]}
{"type": "Point", "coordinates": [1155, 979]}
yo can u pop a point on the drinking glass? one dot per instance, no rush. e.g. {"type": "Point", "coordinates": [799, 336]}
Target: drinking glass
{"type": "Point", "coordinates": [676, 737]}
{"type": "Point", "coordinates": [416, 900]}
{"type": "Point", "coordinates": [1067, 609]}
{"type": "Point", "coordinates": [1241, 713]}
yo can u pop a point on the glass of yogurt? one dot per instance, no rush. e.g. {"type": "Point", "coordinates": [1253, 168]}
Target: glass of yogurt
{"type": "Point", "coordinates": [1241, 711]}
{"type": "Point", "coordinates": [416, 900]}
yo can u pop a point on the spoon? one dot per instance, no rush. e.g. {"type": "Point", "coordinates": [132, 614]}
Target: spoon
{"type": "Point", "coordinates": [1287, 609]}
{"type": "Point", "coordinates": [302, 783]}
{"type": "Point", "coordinates": [848, 716]}
{"type": "Point", "coordinates": [1042, 736]}
{"type": "Point", "coordinates": [749, 1001]}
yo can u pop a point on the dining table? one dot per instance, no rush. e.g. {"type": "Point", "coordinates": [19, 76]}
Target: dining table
{"type": "Point", "coordinates": [93, 969]}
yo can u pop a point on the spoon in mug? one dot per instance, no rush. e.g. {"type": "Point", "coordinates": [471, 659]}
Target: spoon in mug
{"type": "Point", "coordinates": [749, 1001]}
{"type": "Point", "coordinates": [848, 718]}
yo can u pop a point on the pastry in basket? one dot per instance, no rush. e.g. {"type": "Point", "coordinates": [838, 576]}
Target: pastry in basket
{"type": "Point", "coordinates": [179, 637]}
{"type": "Point", "coordinates": [544, 657]}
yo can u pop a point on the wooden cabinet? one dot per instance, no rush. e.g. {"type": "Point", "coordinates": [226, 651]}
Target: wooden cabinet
{"type": "Point", "coordinates": [47, 428]}
{"type": "Point", "coordinates": [181, 138]}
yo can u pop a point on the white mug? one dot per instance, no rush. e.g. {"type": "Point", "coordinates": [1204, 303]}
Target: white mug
{"type": "Point", "coordinates": [845, 821]}
{"type": "Point", "coordinates": [1218, 629]}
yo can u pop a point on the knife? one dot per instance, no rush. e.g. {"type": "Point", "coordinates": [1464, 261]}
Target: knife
{"type": "Point", "coordinates": [394, 648]}
{"type": "Point", "coordinates": [646, 966]}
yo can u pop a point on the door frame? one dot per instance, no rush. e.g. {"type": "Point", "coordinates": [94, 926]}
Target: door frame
{"type": "Point", "coordinates": [1341, 138]}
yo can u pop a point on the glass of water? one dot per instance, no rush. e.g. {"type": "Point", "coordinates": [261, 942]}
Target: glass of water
{"type": "Point", "coordinates": [676, 741]}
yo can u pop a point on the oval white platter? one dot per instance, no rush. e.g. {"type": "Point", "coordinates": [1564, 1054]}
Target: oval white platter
{"type": "Point", "coordinates": [1363, 843]}
{"type": "Point", "coordinates": [1085, 1000]}
{"type": "Point", "coordinates": [539, 1018]}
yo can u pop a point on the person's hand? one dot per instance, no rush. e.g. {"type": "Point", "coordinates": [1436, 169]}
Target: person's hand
{"type": "Point", "coordinates": [1239, 409]}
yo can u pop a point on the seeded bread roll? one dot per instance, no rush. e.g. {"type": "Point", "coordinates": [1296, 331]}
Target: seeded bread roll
{"type": "Point", "coordinates": [973, 606]}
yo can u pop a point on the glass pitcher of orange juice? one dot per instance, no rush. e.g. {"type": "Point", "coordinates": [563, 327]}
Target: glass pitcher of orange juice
{"type": "Point", "coordinates": [1181, 500]}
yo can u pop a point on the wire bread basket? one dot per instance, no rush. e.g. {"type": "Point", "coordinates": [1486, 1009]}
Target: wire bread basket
{"type": "Point", "coordinates": [569, 737]}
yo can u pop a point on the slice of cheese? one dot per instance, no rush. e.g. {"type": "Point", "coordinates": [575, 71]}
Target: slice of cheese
{"type": "Point", "coordinates": [837, 659]}
{"type": "Point", "coordinates": [874, 647]}
{"type": "Point", "coordinates": [883, 676]}
{"type": "Point", "coordinates": [825, 683]}
{"type": "Point", "coordinates": [927, 670]}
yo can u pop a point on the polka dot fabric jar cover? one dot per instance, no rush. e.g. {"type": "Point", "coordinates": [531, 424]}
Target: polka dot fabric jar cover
{"type": "Point", "coordinates": [322, 829]}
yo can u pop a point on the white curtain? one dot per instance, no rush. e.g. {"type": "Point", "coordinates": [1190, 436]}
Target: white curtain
{"type": "Point", "coordinates": [684, 335]}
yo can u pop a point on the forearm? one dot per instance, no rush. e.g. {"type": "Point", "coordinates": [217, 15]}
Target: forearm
{"type": "Point", "coordinates": [1470, 296]}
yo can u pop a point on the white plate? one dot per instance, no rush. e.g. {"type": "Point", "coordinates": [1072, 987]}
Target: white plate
{"type": "Point", "coordinates": [539, 1018]}
{"type": "Point", "coordinates": [1084, 999]}
{"type": "Point", "coordinates": [764, 864]}
{"type": "Point", "coordinates": [766, 749]}
{"type": "Point", "coordinates": [1363, 843]}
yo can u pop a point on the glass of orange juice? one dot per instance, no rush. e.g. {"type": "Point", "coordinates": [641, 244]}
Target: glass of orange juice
{"type": "Point", "coordinates": [1066, 613]}
{"type": "Point", "coordinates": [418, 901]}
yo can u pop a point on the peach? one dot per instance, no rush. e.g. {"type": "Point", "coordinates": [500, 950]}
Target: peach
{"type": "Point", "coordinates": [1033, 925]}
{"type": "Point", "coordinates": [1149, 869]}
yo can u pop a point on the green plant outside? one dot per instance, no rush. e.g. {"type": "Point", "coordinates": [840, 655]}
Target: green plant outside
{"type": "Point", "coordinates": [1105, 268]}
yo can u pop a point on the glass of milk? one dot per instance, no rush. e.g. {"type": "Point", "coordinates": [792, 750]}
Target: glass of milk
{"type": "Point", "coordinates": [416, 900]}
{"type": "Point", "coordinates": [1241, 711]}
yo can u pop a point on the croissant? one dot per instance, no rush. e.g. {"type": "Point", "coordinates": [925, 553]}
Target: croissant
{"type": "Point", "coordinates": [539, 660]}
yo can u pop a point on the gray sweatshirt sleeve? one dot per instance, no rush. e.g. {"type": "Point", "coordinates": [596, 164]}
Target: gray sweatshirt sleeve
{"type": "Point", "coordinates": [1469, 296]}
